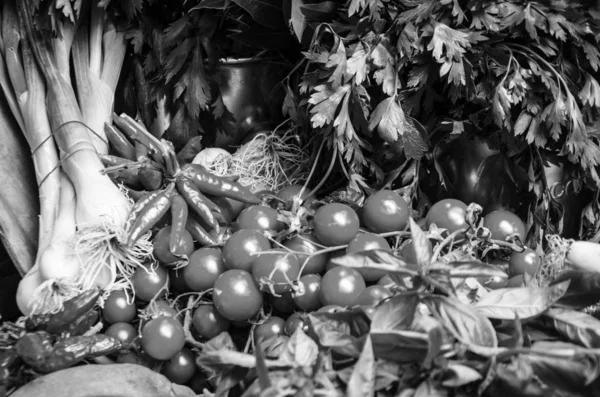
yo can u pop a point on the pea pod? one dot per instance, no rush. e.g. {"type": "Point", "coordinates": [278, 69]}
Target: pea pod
{"type": "Point", "coordinates": [151, 214]}
{"type": "Point", "coordinates": [197, 202]}
{"type": "Point", "coordinates": [199, 233]}
{"type": "Point", "coordinates": [137, 208]}
{"type": "Point", "coordinates": [179, 216]}
{"type": "Point", "coordinates": [217, 186]}
{"type": "Point", "coordinates": [119, 143]}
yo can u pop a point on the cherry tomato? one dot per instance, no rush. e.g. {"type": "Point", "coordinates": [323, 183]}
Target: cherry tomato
{"type": "Point", "coordinates": [310, 300]}
{"type": "Point", "coordinates": [527, 261]}
{"type": "Point", "coordinates": [161, 307]}
{"type": "Point", "coordinates": [270, 328]}
{"type": "Point", "coordinates": [307, 243]}
{"type": "Point", "coordinates": [280, 268]}
{"type": "Point", "coordinates": [180, 368]}
{"type": "Point", "coordinates": [123, 332]}
{"type": "Point", "coordinates": [203, 268]}
{"type": "Point", "coordinates": [335, 224]}
{"type": "Point", "coordinates": [236, 295]}
{"type": "Point", "coordinates": [162, 338]}
{"type": "Point", "coordinates": [295, 321]}
{"type": "Point", "coordinates": [516, 281]}
{"type": "Point", "coordinates": [161, 246]}
{"type": "Point", "coordinates": [149, 281]}
{"type": "Point", "coordinates": [283, 304]}
{"type": "Point", "coordinates": [385, 211]}
{"type": "Point", "coordinates": [260, 218]}
{"type": "Point", "coordinates": [240, 249]}
{"type": "Point", "coordinates": [132, 357]}
{"type": "Point", "coordinates": [117, 310]}
{"type": "Point", "coordinates": [495, 282]}
{"type": "Point", "coordinates": [292, 192]}
{"type": "Point", "coordinates": [335, 254]}
{"type": "Point", "coordinates": [372, 295]}
{"type": "Point", "coordinates": [503, 223]}
{"type": "Point", "coordinates": [448, 214]}
{"type": "Point", "coordinates": [408, 251]}
{"type": "Point", "coordinates": [341, 286]}
{"type": "Point", "coordinates": [208, 322]}
{"type": "Point", "coordinates": [365, 242]}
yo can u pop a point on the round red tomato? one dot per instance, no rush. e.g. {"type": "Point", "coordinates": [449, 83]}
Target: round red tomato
{"type": "Point", "coordinates": [372, 295]}
{"type": "Point", "coordinates": [448, 214]}
{"type": "Point", "coordinates": [527, 261]}
{"type": "Point", "coordinates": [292, 192]}
{"type": "Point", "coordinates": [117, 309]}
{"type": "Point", "coordinates": [335, 224]}
{"type": "Point", "coordinates": [516, 281]}
{"type": "Point", "coordinates": [149, 282]}
{"type": "Point", "coordinates": [307, 243]}
{"type": "Point", "coordinates": [280, 268]}
{"type": "Point", "coordinates": [311, 298]}
{"type": "Point", "coordinates": [261, 218]}
{"type": "Point", "coordinates": [123, 332]}
{"type": "Point", "coordinates": [180, 368]}
{"type": "Point", "coordinates": [295, 321]}
{"type": "Point", "coordinates": [162, 338]}
{"type": "Point", "coordinates": [283, 304]}
{"type": "Point", "coordinates": [503, 223]}
{"type": "Point", "coordinates": [236, 295]}
{"type": "Point", "coordinates": [161, 246]}
{"type": "Point", "coordinates": [366, 242]}
{"type": "Point", "coordinates": [240, 250]}
{"type": "Point", "coordinates": [270, 328]}
{"type": "Point", "coordinates": [208, 322]}
{"type": "Point", "coordinates": [385, 211]}
{"type": "Point", "coordinates": [341, 286]}
{"type": "Point", "coordinates": [409, 254]}
{"type": "Point", "coordinates": [161, 307]}
{"type": "Point", "coordinates": [203, 268]}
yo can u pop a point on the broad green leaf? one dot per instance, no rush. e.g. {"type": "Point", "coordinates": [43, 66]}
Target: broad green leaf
{"type": "Point", "coordinates": [583, 291]}
{"type": "Point", "coordinates": [475, 269]}
{"type": "Point", "coordinates": [400, 346]}
{"type": "Point", "coordinates": [265, 12]}
{"type": "Point", "coordinates": [377, 259]}
{"type": "Point", "coordinates": [396, 313]}
{"type": "Point", "coordinates": [456, 375]}
{"type": "Point", "coordinates": [430, 388]}
{"type": "Point", "coordinates": [577, 327]}
{"type": "Point", "coordinates": [525, 302]}
{"type": "Point", "coordinates": [343, 332]}
{"type": "Point", "coordinates": [436, 341]}
{"type": "Point", "coordinates": [421, 245]}
{"type": "Point", "coordinates": [362, 381]}
{"type": "Point", "coordinates": [300, 350]}
{"type": "Point", "coordinates": [462, 321]}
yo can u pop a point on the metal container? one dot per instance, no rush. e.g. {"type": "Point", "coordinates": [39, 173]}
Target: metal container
{"type": "Point", "coordinates": [252, 92]}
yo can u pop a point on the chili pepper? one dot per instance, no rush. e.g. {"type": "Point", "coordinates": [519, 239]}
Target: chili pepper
{"type": "Point", "coordinates": [121, 170]}
{"type": "Point", "coordinates": [151, 214]}
{"type": "Point", "coordinates": [137, 208]}
{"type": "Point", "coordinates": [218, 186]}
{"type": "Point", "coordinates": [179, 216]}
{"type": "Point", "coordinates": [135, 195]}
{"type": "Point", "coordinates": [190, 150]}
{"type": "Point", "coordinates": [197, 202]}
{"type": "Point", "coordinates": [199, 233]}
{"type": "Point", "coordinates": [72, 310]}
{"type": "Point", "coordinates": [8, 358]}
{"type": "Point", "coordinates": [150, 178]}
{"type": "Point", "coordinates": [120, 144]}
{"type": "Point", "coordinates": [232, 178]}
{"type": "Point", "coordinates": [141, 151]}
{"type": "Point", "coordinates": [34, 348]}
{"type": "Point", "coordinates": [129, 128]}
{"type": "Point", "coordinates": [83, 324]}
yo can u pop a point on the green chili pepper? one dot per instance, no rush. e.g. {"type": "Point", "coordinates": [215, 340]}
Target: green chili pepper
{"type": "Point", "coordinates": [137, 208]}
{"type": "Point", "coordinates": [179, 216]}
{"type": "Point", "coordinates": [198, 203]}
{"type": "Point", "coordinates": [218, 186]}
{"type": "Point", "coordinates": [151, 214]}
{"type": "Point", "coordinates": [190, 150]}
{"type": "Point", "coordinates": [199, 233]}
{"type": "Point", "coordinates": [150, 178]}
{"type": "Point", "coordinates": [119, 143]}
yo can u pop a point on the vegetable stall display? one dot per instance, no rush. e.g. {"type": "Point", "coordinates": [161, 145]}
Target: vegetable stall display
{"type": "Point", "coordinates": [424, 222]}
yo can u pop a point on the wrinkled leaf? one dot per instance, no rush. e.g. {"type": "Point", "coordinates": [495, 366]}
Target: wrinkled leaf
{"type": "Point", "coordinates": [462, 321]}
{"type": "Point", "coordinates": [377, 259]}
{"type": "Point", "coordinates": [528, 302]}
{"type": "Point", "coordinates": [396, 313]}
{"type": "Point", "coordinates": [457, 375]}
{"type": "Point", "coordinates": [516, 379]}
{"type": "Point", "coordinates": [577, 327]}
{"type": "Point", "coordinates": [344, 332]}
{"type": "Point", "coordinates": [400, 346]}
{"type": "Point", "coordinates": [300, 350]}
{"type": "Point", "coordinates": [362, 381]}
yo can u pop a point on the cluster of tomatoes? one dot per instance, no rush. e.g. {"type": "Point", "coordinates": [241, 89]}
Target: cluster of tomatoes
{"type": "Point", "coordinates": [263, 280]}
